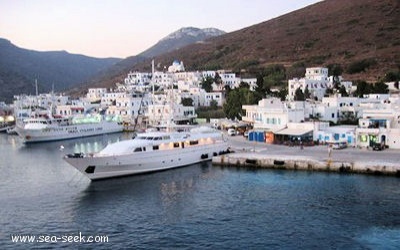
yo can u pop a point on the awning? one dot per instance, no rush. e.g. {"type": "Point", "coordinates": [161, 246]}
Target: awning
{"type": "Point", "coordinates": [293, 131]}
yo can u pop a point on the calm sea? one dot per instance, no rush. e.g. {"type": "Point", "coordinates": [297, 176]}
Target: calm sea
{"type": "Point", "coordinates": [195, 207]}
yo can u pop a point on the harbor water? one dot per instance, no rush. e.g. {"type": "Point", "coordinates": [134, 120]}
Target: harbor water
{"type": "Point", "coordinates": [195, 207]}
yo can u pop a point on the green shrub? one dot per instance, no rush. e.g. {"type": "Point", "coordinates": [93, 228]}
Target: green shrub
{"type": "Point", "coordinates": [360, 66]}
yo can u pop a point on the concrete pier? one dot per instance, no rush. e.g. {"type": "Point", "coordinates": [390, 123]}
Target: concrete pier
{"type": "Point", "coordinates": [317, 158]}
{"type": "Point", "coordinates": [305, 163]}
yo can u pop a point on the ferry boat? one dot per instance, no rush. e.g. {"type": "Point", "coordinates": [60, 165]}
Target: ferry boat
{"type": "Point", "coordinates": [149, 152]}
{"type": "Point", "coordinates": [42, 129]}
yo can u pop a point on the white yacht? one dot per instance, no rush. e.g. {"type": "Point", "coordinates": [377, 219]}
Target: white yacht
{"type": "Point", "coordinates": [41, 129]}
{"type": "Point", "coordinates": [151, 151]}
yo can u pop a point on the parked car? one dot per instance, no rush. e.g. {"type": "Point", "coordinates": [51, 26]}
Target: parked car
{"type": "Point", "coordinates": [339, 145]}
{"type": "Point", "coordinates": [231, 132]}
{"type": "Point", "coordinates": [378, 146]}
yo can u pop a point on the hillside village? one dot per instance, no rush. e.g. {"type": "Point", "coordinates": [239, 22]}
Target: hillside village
{"type": "Point", "coordinates": [150, 99]}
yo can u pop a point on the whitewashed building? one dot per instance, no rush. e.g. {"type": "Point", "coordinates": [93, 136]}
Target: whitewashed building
{"type": "Point", "coordinates": [381, 126]}
{"type": "Point", "coordinates": [130, 106]}
{"type": "Point", "coordinates": [252, 82]}
{"type": "Point", "coordinates": [316, 80]}
{"type": "Point", "coordinates": [272, 114]}
{"type": "Point", "coordinates": [169, 114]}
{"type": "Point", "coordinates": [95, 94]}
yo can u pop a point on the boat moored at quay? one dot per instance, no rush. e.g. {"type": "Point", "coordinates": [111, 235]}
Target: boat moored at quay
{"type": "Point", "coordinates": [43, 129]}
{"type": "Point", "coordinates": [149, 152]}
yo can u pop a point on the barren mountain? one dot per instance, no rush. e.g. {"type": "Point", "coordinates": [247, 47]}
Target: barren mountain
{"type": "Point", "coordinates": [360, 35]}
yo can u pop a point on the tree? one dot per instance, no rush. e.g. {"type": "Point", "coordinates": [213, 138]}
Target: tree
{"type": "Point", "coordinates": [299, 95]}
{"type": "Point", "coordinates": [391, 76]}
{"type": "Point", "coordinates": [206, 83]}
{"type": "Point", "coordinates": [244, 85]}
{"type": "Point", "coordinates": [283, 93]}
{"type": "Point", "coordinates": [218, 79]}
{"type": "Point", "coordinates": [335, 70]}
{"type": "Point", "coordinates": [233, 105]}
{"type": "Point", "coordinates": [235, 99]}
{"type": "Point", "coordinates": [188, 102]}
{"type": "Point", "coordinates": [363, 88]}
{"type": "Point", "coordinates": [380, 88]}
{"type": "Point", "coordinates": [213, 105]}
{"type": "Point", "coordinates": [328, 91]}
{"type": "Point", "coordinates": [260, 85]}
{"type": "Point", "coordinates": [274, 75]}
{"type": "Point", "coordinates": [343, 91]}
{"type": "Point", "coordinates": [307, 93]}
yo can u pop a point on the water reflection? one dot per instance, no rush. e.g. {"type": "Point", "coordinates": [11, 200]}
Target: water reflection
{"type": "Point", "coordinates": [164, 185]}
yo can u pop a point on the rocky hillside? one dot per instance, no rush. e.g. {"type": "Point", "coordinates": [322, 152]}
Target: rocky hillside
{"type": "Point", "coordinates": [360, 35]}
{"type": "Point", "coordinates": [179, 39]}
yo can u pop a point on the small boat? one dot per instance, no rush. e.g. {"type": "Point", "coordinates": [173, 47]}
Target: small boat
{"type": "Point", "coordinates": [149, 152]}
{"type": "Point", "coordinates": [43, 129]}
{"type": "Point", "coordinates": [3, 127]}
{"type": "Point", "coordinates": [11, 130]}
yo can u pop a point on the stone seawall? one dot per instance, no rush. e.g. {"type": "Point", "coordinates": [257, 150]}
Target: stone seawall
{"type": "Point", "coordinates": [306, 163]}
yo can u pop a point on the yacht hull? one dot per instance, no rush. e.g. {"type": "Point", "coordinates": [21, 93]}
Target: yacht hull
{"type": "Point", "coordinates": [103, 167]}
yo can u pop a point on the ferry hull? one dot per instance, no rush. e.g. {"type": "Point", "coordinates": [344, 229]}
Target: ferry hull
{"type": "Point", "coordinates": [67, 132]}
{"type": "Point", "coordinates": [96, 168]}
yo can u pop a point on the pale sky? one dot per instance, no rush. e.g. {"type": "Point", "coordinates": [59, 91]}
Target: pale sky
{"type": "Point", "coordinates": [122, 28]}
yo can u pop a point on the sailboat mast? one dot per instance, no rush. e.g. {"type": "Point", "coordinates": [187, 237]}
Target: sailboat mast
{"type": "Point", "coordinates": [152, 75]}
{"type": "Point", "coordinates": [36, 87]}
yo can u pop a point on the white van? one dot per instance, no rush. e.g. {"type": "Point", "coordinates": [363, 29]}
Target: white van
{"type": "Point", "coordinates": [231, 132]}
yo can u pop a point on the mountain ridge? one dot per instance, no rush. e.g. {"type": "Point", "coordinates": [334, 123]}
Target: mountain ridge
{"type": "Point", "coordinates": [175, 40]}
{"type": "Point", "coordinates": [19, 68]}
{"type": "Point", "coordinates": [180, 38]}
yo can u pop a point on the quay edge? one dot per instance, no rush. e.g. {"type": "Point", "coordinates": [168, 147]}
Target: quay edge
{"type": "Point", "coordinates": [306, 163]}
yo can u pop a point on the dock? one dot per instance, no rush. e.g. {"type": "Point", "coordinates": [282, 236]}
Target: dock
{"type": "Point", "coordinates": [305, 163]}
{"type": "Point", "coordinates": [317, 158]}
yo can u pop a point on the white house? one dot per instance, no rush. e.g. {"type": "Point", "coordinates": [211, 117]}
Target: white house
{"type": "Point", "coordinates": [169, 114]}
{"type": "Point", "coordinates": [95, 94]}
{"type": "Point", "coordinates": [316, 80]}
{"type": "Point", "coordinates": [137, 81]}
{"type": "Point", "coordinates": [252, 82]}
{"type": "Point", "coordinates": [272, 114]}
{"type": "Point", "coordinates": [164, 79]}
{"type": "Point", "coordinates": [337, 134]}
{"type": "Point", "coordinates": [380, 126]}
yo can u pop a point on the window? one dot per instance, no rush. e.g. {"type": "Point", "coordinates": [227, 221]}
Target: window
{"type": "Point", "coordinates": [155, 147]}
{"type": "Point", "coordinates": [176, 144]}
{"type": "Point", "coordinates": [333, 115]}
{"type": "Point", "coordinates": [193, 142]}
{"type": "Point", "coordinates": [137, 150]}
